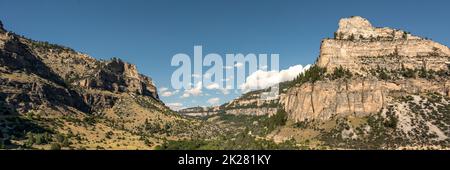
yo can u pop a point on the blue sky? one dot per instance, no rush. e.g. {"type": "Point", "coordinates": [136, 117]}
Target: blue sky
{"type": "Point", "coordinates": [149, 33]}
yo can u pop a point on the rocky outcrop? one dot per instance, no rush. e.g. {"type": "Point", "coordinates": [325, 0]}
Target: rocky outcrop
{"type": "Point", "coordinates": [200, 111]}
{"type": "Point", "coordinates": [364, 50]}
{"type": "Point", "coordinates": [37, 73]}
{"type": "Point", "coordinates": [359, 46]}
{"type": "Point", "coordinates": [118, 76]}
{"type": "Point", "coordinates": [358, 97]}
{"type": "Point", "coordinates": [250, 104]}
{"type": "Point", "coordinates": [23, 96]}
{"type": "Point", "coordinates": [358, 28]}
{"type": "Point", "coordinates": [256, 111]}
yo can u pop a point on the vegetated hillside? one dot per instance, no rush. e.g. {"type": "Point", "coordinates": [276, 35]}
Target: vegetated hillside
{"type": "Point", "coordinates": [52, 97]}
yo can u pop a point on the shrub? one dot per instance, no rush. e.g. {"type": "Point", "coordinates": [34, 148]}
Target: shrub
{"type": "Point", "coordinates": [108, 135]}
{"type": "Point", "coordinates": [55, 146]}
{"type": "Point", "coordinates": [66, 142]}
{"type": "Point", "coordinates": [59, 138]}
{"type": "Point", "coordinates": [340, 72]}
{"type": "Point", "coordinates": [409, 73]}
{"type": "Point", "coordinates": [279, 119]}
{"type": "Point", "coordinates": [313, 74]}
{"type": "Point", "coordinates": [392, 119]}
{"type": "Point", "coordinates": [383, 75]}
{"type": "Point", "coordinates": [405, 35]}
{"type": "Point", "coordinates": [352, 37]}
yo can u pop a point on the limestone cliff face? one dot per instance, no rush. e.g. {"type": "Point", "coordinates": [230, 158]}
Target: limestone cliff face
{"type": "Point", "coordinates": [359, 97]}
{"type": "Point", "coordinates": [248, 104]}
{"type": "Point", "coordinates": [251, 104]}
{"type": "Point", "coordinates": [358, 46]}
{"type": "Point", "coordinates": [359, 28]}
{"type": "Point", "coordinates": [118, 76]}
{"type": "Point", "coordinates": [200, 111]}
{"type": "Point", "coordinates": [361, 48]}
{"type": "Point", "coordinates": [35, 73]}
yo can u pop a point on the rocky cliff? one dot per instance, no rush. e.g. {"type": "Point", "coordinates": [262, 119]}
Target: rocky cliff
{"type": "Point", "coordinates": [34, 72]}
{"type": "Point", "coordinates": [248, 104]}
{"type": "Point", "coordinates": [381, 61]}
{"type": "Point", "coordinates": [371, 88]}
{"type": "Point", "coordinates": [359, 47]}
{"type": "Point", "coordinates": [54, 97]}
{"type": "Point", "coordinates": [359, 96]}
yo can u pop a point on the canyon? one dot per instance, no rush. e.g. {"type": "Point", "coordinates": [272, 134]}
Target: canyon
{"type": "Point", "coordinates": [371, 87]}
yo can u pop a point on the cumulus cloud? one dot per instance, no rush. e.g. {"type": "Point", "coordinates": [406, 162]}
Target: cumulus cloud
{"type": "Point", "coordinates": [185, 95]}
{"type": "Point", "coordinates": [264, 79]}
{"type": "Point", "coordinates": [239, 65]}
{"type": "Point", "coordinates": [166, 93]}
{"type": "Point", "coordinates": [212, 86]}
{"type": "Point", "coordinates": [228, 67]}
{"type": "Point", "coordinates": [213, 101]}
{"type": "Point", "coordinates": [225, 91]}
{"type": "Point", "coordinates": [163, 89]}
{"type": "Point", "coordinates": [227, 79]}
{"type": "Point", "coordinates": [196, 76]}
{"type": "Point", "coordinates": [175, 106]}
{"type": "Point", "coordinates": [207, 75]}
{"type": "Point", "coordinates": [194, 91]}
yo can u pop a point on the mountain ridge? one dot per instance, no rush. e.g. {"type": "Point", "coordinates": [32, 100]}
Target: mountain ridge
{"type": "Point", "coordinates": [52, 97]}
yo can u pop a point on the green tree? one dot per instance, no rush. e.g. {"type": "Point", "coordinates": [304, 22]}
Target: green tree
{"type": "Point", "coordinates": [405, 35]}
{"type": "Point", "coordinates": [40, 139]}
{"type": "Point", "coordinates": [340, 72]}
{"type": "Point", "coordinates": [352, 37]}
{"type": "Point", "coordinates": [313, 74]}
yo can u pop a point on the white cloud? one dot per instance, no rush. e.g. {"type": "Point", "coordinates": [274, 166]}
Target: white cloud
{"type": "Point", "coordinates": [228, 67]}
{"type": "Point", "coordinates": [212, 86]}
{"type": "Point", "coordinates": [264, 79]}
{"type": "Point", "coordinates": [167, 94]}
{"type": "Point", "coordinates": [163, 89]}
{"type": "Point", "coordinates": [194, 91]}
{"type": "Point", "coordinates": [185, 95]}
{"type": "Point", "coordinates": [207, 75]}
{"type": "Point", "coordinates": [213, 101]}
{"type": "Point", "coordinates": [175, 106]}
{"type": "Point", "coordinates": [196, 76]}
{"type": "Point", "coordinates": [225, 91]}
{"type": "Point", "coordinates": [227, 79]}
{"type": "Point", "coordinates": [239, 65]}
